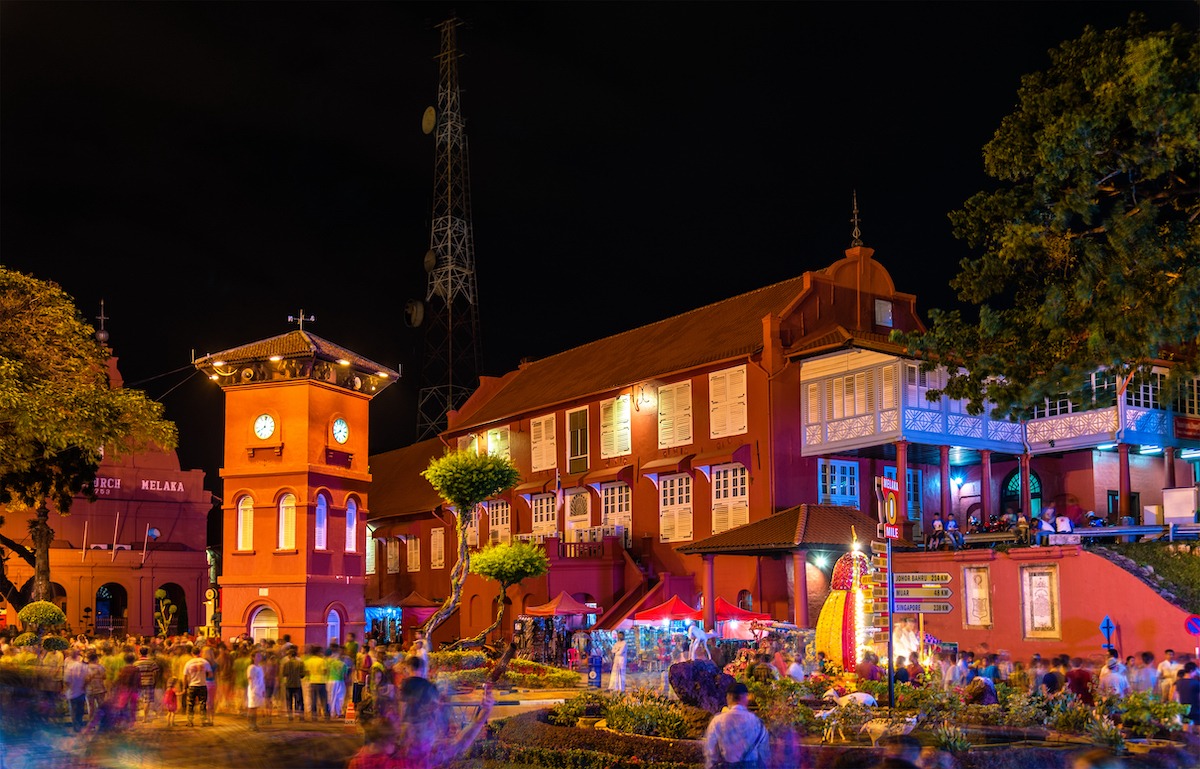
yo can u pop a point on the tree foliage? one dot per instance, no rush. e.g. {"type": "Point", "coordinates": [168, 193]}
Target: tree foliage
{"type": "Point", "coordinates": [58, 410]}
{"type": "Point", "coordinates": [465, 479]}
{"type": "Point", "coordinates": [1089, 245]}
{"type": "Point", "coordinates": [509, 563]}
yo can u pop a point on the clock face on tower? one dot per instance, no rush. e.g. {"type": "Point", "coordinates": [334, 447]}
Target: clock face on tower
{"type": "Point", "coordinates": [341, 430]}
{"type": "Point", "coordinates": [264, 426]}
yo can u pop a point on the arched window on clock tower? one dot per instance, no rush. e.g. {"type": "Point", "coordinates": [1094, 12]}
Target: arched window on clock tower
{"type": "Point", "coordinates": [321, 535]}
{"type": "Point", "coordinates": [245, 523]}
{"type": "Point", "coordinates": [287, 522]}
{"type": "Point", "coordinates": [351, 526]}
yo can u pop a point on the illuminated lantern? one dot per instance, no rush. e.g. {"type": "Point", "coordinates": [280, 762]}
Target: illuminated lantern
{"type": "Point", "coordinates": [841, 628]}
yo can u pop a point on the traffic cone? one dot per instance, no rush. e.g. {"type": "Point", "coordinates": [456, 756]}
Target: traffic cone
{"type": "Point", "coordinates": [351, 715]}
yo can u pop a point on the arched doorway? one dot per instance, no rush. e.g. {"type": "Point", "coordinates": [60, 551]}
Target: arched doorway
{"type": "Point", "coordinates": [745, 600]}
{"type": "Point", "coordinates": [333, 628]}
{"type": "Point", "coordinates": [264, 623]}
{"type": "Point", "coordinates": [112, 604]}
{"type": "Point", "coordinates": [178, 622]}
{"type": "Point", "coordinates": [1010, 494]}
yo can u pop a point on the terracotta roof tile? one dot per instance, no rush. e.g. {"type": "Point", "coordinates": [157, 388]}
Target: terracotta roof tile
{"type": "Point", "coordinates": [294, 344]}
{"type": "Point", "coordinates": [719, 331]}
{"type": "Point", "coordinates": [397, 487]}
{"type": "Point", "coordinates": [804, 525]}
{"type": "Point", "coordinates": [841, 337]}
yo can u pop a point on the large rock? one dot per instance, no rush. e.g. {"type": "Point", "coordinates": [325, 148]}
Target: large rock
{"type": "Point", "coordinates": [700, 683]}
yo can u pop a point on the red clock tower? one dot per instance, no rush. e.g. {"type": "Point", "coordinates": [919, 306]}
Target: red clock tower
{"type": "Point", "coordinates": [296, 486]}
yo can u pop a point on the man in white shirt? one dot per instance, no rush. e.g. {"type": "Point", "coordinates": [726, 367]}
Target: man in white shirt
{"type": "Point", "coordinates": [197, 672]}
{"type": "Point", "coordinates": [75, 687]}
{"type": "Point", "coordinates": [1168, 672]}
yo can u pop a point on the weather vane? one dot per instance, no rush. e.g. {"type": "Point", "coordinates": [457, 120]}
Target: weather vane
{"type": "Point", "coordinates": [302, 318]}
{"type": "Point", "coordinates": [856, 236]}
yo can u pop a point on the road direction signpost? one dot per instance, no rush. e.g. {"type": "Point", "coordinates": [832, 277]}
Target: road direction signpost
{"type": "Point", "coordinates": [923, 578]}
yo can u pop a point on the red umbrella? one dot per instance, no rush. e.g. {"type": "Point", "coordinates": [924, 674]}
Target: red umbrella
{"type": "Point", "coordinates": [727, 611]}
{"type": "Point", "coordinates": [672, 609]}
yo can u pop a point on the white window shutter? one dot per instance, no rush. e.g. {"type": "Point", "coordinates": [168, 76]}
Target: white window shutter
{"type": "Point", "coordinates": [666, 417]}
{"type": "Point", "coordinates": [683, 415]}
{"type": "Point", "coordinates": [861, 401]}
{"type": "Point", "coordinates": [683, 524]}
{"type": "Point", "coordinates": [608, 438]}
{"type": "Point", "coordinates": [814, 404]}
{"type": "Point", "coordinates": [718, 404]}
{"type": "Point", "coordinates": [720, 517]}
{"type": "Point", "coordinates": [739, 513]}
{"type": "Point", "coordinates": [437, 548]}
{"type": "Point", "coordinates": [543, 451]}
{"type": "Point", "coordinates": [889, 388]}
{"type": "Point", "coordinates": [666, 525]}
{"type": "Point", "coordinates": [737, 401]}
{"type": "Point", "coordinates": [622, 419]}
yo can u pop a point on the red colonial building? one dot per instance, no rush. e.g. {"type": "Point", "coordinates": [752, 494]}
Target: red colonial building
{"type": "Point", "coordinates": [635, 446]}
{"type": "Point", "coordinates": [146, 531]}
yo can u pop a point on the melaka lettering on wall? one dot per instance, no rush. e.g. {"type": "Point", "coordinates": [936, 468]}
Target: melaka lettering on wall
{"type": "Point", "coordinates": [107, 486]}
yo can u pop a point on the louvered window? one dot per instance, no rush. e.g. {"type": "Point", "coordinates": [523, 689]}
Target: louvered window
{"type": "Point", "coordinates": [393, 555]}
{"type": "Point", "coordinates": [497, 440]}
{"type": "Point", "coordinates": [499, 521]}
{"type": "Point", "coordinates": [287, 522]}
{"type": "Point", "coordinates": [351, 526]}
{"type": "Point", "coordinates": [321, 524]}
{"type": "Point", "coordinates": [545, 514]}
{"type": "Point", "coordinates": [414, 553]}
{"type": "Point", "coordinates": [675, 415]}
{"type": "Point", "coordinates": [730, 500]}
{"type": "Point", "coordinates": [727, 402]}
{"type": "Point", "coordinates": [245, 524]}
{"type": "Point", "coordinates": [675, 508]}
{"type": "Point", "coordinates": [615, 435]}
{"type": "Point", "coordinates": [616, 508]}
{"type": "Point", "coordinates": [437, 548]}
{"type": "Point", "coordinates": [372, 546]}
{"type": "Point", "coordinates": [543, 451]}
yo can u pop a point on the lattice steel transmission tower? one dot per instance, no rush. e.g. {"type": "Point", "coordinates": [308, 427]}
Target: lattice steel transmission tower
{"type": "Point", "coordinates": [451, 365]}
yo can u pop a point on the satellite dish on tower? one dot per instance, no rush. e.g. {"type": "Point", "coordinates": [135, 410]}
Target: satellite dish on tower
{"type": "Point", "coordinates": [428, 120]}
{"type": "Point", "coordinates": [430, 260]}
{"type": "Point", "coordinates": [414, 313]}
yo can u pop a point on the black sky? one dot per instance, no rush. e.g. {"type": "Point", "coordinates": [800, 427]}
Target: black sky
{"type": "Point", "coordinates": [208, 168]}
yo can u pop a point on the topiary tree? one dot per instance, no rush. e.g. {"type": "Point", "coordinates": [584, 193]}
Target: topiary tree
{"type": "Point", "coordinates": [37, 618]}
{"type": "Point", "coordinates": [465, 479]}
{"type": "Point", "coordinates": [509, 563]}
{"type": "Point", "coordinates": [164, 611]}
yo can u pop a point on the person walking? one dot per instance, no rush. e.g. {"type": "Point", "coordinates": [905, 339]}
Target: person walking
{"type": "Point", "coordinates": [336, 684]}
{"type": "Point", "coordinates": [1168, 671]}
{"type": "Point", "coordinates": [256, 690]}
{"type": "Point", "coordinates": [292, 673]}
{"type": "Point", "coordinates": [148, 677]}
{"type": "Point", "coordinates": [318, 675]}
{"type": "Point", "coordinates": [196, 675]}
{"type": "Point", "coordinates": [735, 736]}
{"type": "Point", "coordinates": [75, 687]}
{"type": "Point", "coordinates": [616, 679]}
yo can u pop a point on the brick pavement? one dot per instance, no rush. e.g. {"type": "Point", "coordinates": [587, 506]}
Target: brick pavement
{"type": "Point", "coordinates": [229, 743]}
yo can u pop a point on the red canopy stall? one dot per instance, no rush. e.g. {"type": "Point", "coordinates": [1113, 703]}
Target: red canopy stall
{"type": "Point", "coordinates": [562, 605]}
{"type": "Point", "coordinates": [672, 609]}
{"type": "Point", "coordinates": [727, 611]}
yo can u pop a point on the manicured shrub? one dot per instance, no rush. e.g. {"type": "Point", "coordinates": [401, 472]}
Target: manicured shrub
{"type": "Point", "coordinates": [531, 730]}
{"type": "Point", "coordinates": [590, 703]}
{"type": "Point", "coordinates": [648, 714]}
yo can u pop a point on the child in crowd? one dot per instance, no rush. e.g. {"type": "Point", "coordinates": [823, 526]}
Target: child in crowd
{"type": "Point", "coordinates": [171, 701]}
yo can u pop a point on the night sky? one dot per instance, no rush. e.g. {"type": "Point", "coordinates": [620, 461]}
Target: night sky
{"type": "Point", "coordinates": [208, 169]}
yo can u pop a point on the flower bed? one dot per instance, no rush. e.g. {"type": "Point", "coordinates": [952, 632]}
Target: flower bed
{"type": "Point", "coordinates": [471, 668]}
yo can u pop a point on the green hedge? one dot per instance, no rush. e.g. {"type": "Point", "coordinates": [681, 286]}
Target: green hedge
{"type": "Point", "coordinates": [553, 678]}
{"type": "Point", "coordinates": [531, 730]}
